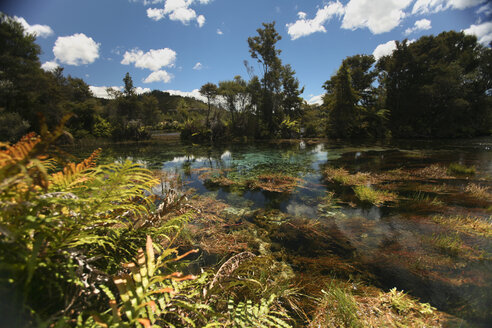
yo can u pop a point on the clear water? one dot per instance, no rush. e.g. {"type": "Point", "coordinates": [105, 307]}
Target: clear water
{"type": "Point", "coordinates": [389, 242]}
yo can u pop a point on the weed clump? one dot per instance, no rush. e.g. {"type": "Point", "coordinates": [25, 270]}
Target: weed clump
{"type": "Point", "coordinates": [373, 196]}
{"type": "Point", "coordinates": [459, 169]}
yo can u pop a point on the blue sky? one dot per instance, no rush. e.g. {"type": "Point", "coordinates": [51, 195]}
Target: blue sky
{"type": "Point", "coordinates": [181, 44]}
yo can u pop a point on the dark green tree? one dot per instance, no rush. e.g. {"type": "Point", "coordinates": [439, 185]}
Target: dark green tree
{"type": "Point", "coordinates": [128, 89]}
{"type": "Point", "coordinates": [341, 100]}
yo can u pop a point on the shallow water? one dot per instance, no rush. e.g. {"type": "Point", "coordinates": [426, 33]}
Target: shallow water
{"type": "Point", "coordinates": [398, 244]}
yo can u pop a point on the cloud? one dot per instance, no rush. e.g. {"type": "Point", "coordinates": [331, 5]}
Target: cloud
{"type": "Point", "coordinates": [304, 27]}
{"type": "Point", "coordinates": [219, 32]}
{"type": "Point", "coordinates": [42, 31]}
{"type": "Point", "coordinates": [316, 100]}
{"type": "Point", "coordinates": [434, 6]}
{"type": "Point", "coordinates": [301, 15]}
{"type": "Point", "coordinates": [200, 20]}
{"type": "Point", "coordinates": [101, 92]}
{"type": "Point", "coordinates": [483, 32]}
{"type": "Point", "coordinates": [153, 59]}
{"type": "Point", "coordinates": [178, 10]}
{"type": "Point", "coordinates": [420, 25]}
{"type": "Point", "coordinates": [378, 16]}
{"type": "Point", "coordinates": [77, 49]}
{"type": "Point", "coordinates": [139, 90]}
{"type": "Point", "coordinates": [159, 76]}
{"type": "Point", "coordinates": [49, 66]}
{"type": "Point", "coordinates": [485, 9]}
{"type": "Point", "coordinates": [198, 66]}
{"type": "Point", "coordinates": [384, 49]}
{"type": "Point", "coordinates": [155, 13]}
{"type": "Point", "coordinates": [193, 94]}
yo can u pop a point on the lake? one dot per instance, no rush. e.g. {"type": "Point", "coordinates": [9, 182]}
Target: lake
{"type": "Point", "coordinates": [393, 214]}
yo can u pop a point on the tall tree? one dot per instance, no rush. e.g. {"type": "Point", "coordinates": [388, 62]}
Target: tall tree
{"type": "Point", "coordinates": [129, 89]}
{"type": "Point", "coordinates": [209, 90]}
{"type": "Point", "coordinates": [262, 48]}
{"type": "Point", "coordinates": [341, 101]}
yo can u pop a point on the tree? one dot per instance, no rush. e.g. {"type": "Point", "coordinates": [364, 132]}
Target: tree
{"type": "Point", "coordinates": [291, 95]}
{"type": "Point", "coordinates": [341, 101]}
{"type": "Point", "coordinates": [438, 86]}
{"type": "Point", "coordinates": [262, 48]}
{"type": "Point", "coordinates": [236, 97]}
{"type": "Point", "coordinates": [210, 91]}
{"type": "Point", "coordinates": [129, 89]}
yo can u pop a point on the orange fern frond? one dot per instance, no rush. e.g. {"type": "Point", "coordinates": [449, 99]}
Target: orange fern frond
{"type": "Point", "coordinates": [71, 173]}
{"type": "Point", "coordinates": [19, 151]}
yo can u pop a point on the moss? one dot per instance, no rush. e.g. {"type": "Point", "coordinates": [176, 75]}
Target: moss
{"type": "Point", "coordinates": [373, 196]}
{"type": "Point", "coordinates": [459, 169]}
{"type": "Point", "coordinates": [344, 178]}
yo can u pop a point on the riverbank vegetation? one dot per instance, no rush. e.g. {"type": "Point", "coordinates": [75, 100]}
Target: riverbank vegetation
{"type": "Point", "coordinates": [438, 86]}
{"type": "Point", "coordinates": [84, 244]}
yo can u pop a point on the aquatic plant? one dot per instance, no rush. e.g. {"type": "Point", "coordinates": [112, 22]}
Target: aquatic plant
{"type": "Point", "coordinates": [373, 196]}
{"type": "Point", "coordinates": [448, 243]}
{"type": "Point", "coordinates": [344, 178]}
{"type": "Point", "coordinates": [337, 307]}
{"type": "Point", "coordinates": [478, 192]}
{"type": "Point", "coordinates": [466, 224]}
{"type": "Point", "coordinates": [459, 169]}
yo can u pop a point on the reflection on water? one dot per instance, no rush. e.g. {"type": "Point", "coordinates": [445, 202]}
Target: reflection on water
{"type": "Point", "coordinates": [401, 244]}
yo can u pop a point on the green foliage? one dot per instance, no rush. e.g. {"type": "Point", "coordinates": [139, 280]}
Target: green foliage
{"type": "Point", "coordinates": [373, 196]}
{"type": "Point", "coordinates": [438, 86]}
{"type": "Point", "coordinates": [255, 315]}
{"type": "Point", "coordinates": [459, 169]}
{"type": "Point", "coordinates": [342, 305]}
{"type": "Point", "coordinates": [54, 221]}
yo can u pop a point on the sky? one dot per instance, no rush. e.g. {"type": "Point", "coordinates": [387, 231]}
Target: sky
{"type": "Point", "coordinates": [179, 45]}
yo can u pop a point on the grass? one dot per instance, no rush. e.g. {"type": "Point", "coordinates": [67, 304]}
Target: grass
{"type": "Point", "coordinates": [338, 307]}
{"type": "Point", "coordinates": [478, 192]}
{"type": "Point", "coordinates": [466, 224]}
{"type": "Point", "coordinates": [450, 244]}
{"type": "Point", "coordinates": [376, 197]}
{"type": "Point", "coordinates": [459, 169]}
{"type": "Point", "coordinates": [344, 178]}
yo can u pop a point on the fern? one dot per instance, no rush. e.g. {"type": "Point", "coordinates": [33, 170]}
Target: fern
{"type": "Point", "coordinates": [247, 314]}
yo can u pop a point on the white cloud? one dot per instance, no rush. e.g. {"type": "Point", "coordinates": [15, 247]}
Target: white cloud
{"type": "Point", "coordinates": [384, 49]}
{"type": "Point", "coordinates": [183, 14]}
{"type": "Point", "coordinates": [178, 10]}
{"type": "Point", "coordinates": [49, 66]}
{"type": "Point", "coordinates": [301, 15]}
{"type": "Point", "coordinates": [42, 31]}
{"type": "Point", "coordinates": [304, 27]}
{"type": "Point", "coordinates": [101, 92]}
{"type": "Point", "coordinates": [378, 16]}
{"type": "Point", "coordinates": [159, 76]}
{"type": "Point", "coordinates": [155, 13]}
{"type": "Point", "coordinates": [316, 100]}
{"type": "Point", "coordinates": [434, 6]}
{"type": "Point", "coordinates": [198, 66]}
{"type": "Point", "coordinates": [200, 20]}
{"type": "Point", "coordinates": [192, 94]}
{"type": "Point", "coordinates": [219, 32]}
{"type": "Point", "coordinates": [485, 9]}
{"type": "Point", "coordinates": [140, 90]}
{"type": "Point", "coordinates": [420, 25]}
{"type": "Point", "coordinates": [483, 32]}
{"type": "Point", "coordinates": [76, 49]}
{"type": "Point", "coordinates": [153, 59]}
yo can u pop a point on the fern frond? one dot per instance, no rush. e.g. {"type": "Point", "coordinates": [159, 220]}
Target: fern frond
{"type": "Point", "coordinates": [74, 174]}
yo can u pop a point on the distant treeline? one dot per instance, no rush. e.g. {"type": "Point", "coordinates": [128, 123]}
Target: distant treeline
{"type": "Point", "coordinates": [437, 86]}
